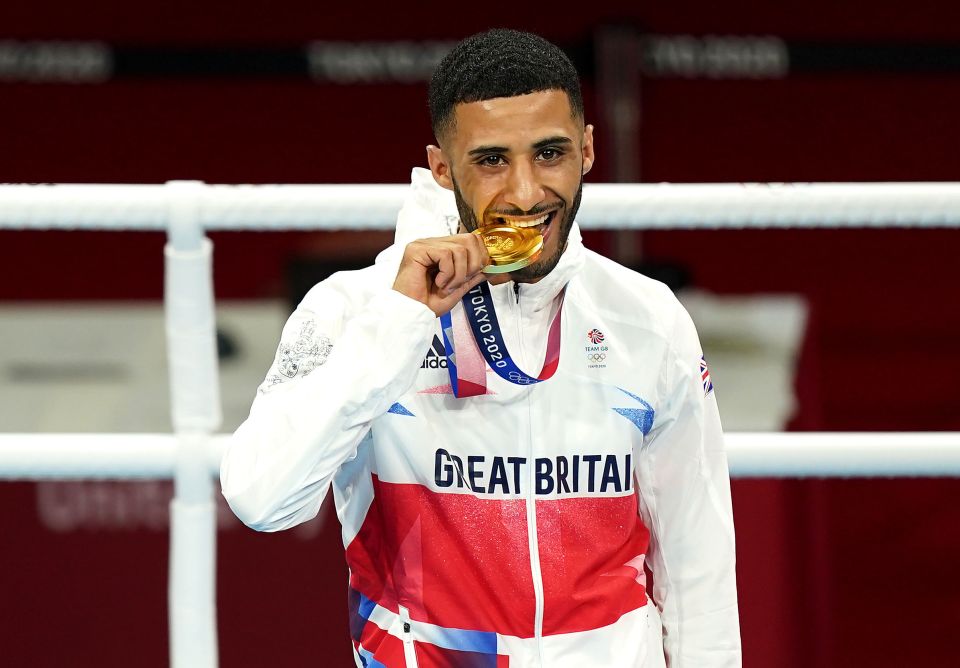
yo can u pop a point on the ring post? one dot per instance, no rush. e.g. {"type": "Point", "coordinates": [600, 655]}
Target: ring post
{"type": "Point", "coordinates": [195, 403]}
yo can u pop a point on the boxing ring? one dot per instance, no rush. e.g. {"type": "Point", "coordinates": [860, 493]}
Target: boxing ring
{"type": "Point", "coordinates": [190, 456]}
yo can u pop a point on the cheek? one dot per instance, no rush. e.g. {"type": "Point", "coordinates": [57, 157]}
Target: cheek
{"type": "Point", "coordinates": [476, 193]}
{"type": "Point", "coordinates": [571, 182]}
{"type": "Point", "coordinates": [482, 204]}
{"type": "Point", "coordinates": [553, 241]}
{"type": "Point", "coordinates": [563, 183]}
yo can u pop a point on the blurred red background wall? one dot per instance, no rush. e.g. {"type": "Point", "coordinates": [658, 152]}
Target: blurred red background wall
{"type": "Point", "coordinates": [855, 573]}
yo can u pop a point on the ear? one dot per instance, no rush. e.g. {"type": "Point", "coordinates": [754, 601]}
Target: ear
{"type": "Point", "coordinates": [588, 156]}
{"type": "Point", "coordinates": [439, 166]}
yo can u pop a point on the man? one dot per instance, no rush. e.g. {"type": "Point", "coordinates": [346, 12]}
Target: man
{"type": "Point", "coordinates": [492, 517]}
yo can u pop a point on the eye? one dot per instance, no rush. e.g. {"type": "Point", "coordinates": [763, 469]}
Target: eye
{"type": "Point", "coordinates": [550, 154]}
{"type": "Point", "coordinates": [491, 160]}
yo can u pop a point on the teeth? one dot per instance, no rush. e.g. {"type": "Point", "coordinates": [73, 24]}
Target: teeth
{"type": "Point", "coordinates": [514, 222]}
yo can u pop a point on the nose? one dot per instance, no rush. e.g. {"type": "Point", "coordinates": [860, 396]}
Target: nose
{"type": "Point", "coordinates": [524, 190]}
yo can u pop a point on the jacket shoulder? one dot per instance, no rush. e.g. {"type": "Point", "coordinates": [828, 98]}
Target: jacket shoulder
{"type": "Point", "coordinates": [625, 294]}
{"type": "Point", "coordinates": [348, 291]}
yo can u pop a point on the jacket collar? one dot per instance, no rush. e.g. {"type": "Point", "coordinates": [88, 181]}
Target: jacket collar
{"type": "Point", "coordinates": [541, 294]}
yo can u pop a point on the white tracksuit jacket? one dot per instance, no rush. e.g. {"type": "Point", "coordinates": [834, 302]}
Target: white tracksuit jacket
{"type": "Point", "coordinates": [509, 529]}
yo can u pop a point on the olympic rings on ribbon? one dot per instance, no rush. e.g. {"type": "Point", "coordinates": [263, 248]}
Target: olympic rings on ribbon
{"type": "Point", "coordinates": [596, 357]}
{"type": "Point", "coordinates": [519, 379]}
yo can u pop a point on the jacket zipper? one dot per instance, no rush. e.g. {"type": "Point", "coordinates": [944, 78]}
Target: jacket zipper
{"type": "Point", "coordinates": [531, 503]}
{"type": "Point", "coordinates": [409, 651]}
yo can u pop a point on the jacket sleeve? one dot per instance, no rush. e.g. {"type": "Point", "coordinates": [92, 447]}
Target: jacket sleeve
{"type": "Point", "coordinates": [685, 501]}
{"type": "Point", "coordinates": [337, 368]}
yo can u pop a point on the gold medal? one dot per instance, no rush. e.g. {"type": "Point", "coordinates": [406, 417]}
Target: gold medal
{"type": "Point", "coordinates": [510, 248]}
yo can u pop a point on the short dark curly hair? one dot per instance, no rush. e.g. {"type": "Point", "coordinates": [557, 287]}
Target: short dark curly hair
{"type": "Point", "coordinates": [499, 63]}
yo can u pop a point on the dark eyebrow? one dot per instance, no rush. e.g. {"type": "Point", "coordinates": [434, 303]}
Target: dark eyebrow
{"type": "Point", "coordinates": [543, 143]}
{"type": "Point", "coordinates": [486, 150]}
{"type": "Point", "coordinates": [552, 141]}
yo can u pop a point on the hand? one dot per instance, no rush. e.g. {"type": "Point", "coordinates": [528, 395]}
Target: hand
{"type": "Point", "coordinates": [437, 272]}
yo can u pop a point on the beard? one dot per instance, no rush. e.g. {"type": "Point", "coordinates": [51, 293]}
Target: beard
{"type": "Point", "coordinates": [543, 265]}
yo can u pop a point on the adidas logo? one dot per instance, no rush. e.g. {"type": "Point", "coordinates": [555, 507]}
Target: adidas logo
{"type": "Point", "coordinates": [436, 357]}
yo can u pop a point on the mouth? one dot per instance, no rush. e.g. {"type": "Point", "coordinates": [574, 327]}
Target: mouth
{"type": "Point", "coordinates": [542, 223]}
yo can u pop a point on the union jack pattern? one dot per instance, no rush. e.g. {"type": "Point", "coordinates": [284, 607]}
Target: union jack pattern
{"type": "Point", "coordinates": [595, 336]}
{"type": "Point", "coordinates": [705, 376]}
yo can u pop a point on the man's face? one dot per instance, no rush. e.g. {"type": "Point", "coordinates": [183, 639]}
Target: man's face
{"type": "Point", "coordinates": [520, 161]}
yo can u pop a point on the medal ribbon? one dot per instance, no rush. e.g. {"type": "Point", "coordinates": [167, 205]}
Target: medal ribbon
{"type": "Point", "coordinates": [465, 353]}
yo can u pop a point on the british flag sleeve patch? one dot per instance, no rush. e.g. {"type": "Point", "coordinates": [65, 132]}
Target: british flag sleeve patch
{"type": "Point", "coordinates": [705, 376]}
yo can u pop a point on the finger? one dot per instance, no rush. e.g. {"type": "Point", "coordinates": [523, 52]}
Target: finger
{"type": "Point", "coordinates": [440, 256]}
{"type": "Point", "coordinates": [461, 266]}
{"type": "Point", "coordinates": [457, 294]}
{"type": "Point", "coordinates": [479, 256]}
{"type": "Point", "coordinates": [450, 260]}
{"type": "Point", "coordinates": [471, 284]}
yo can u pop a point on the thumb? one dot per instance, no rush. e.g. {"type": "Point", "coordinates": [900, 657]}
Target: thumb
{"type": "Point", "coordinates": [449, 301]}
{"type": "Point", "coordinates": [470, 285]}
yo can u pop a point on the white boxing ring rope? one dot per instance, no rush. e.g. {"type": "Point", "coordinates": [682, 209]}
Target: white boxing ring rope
{"type": "Point", "coordinates": [751, 455]}
{"type": "Point", "coordinates": [187, 209]}
{"type": "Point", "coordinates": [374, 207]}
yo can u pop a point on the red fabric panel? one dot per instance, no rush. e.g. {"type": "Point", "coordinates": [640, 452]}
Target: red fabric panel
{"type": "Point", "coordinates": [583, 587]}
{"type": "Point", "coordinates": [413, 536]}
